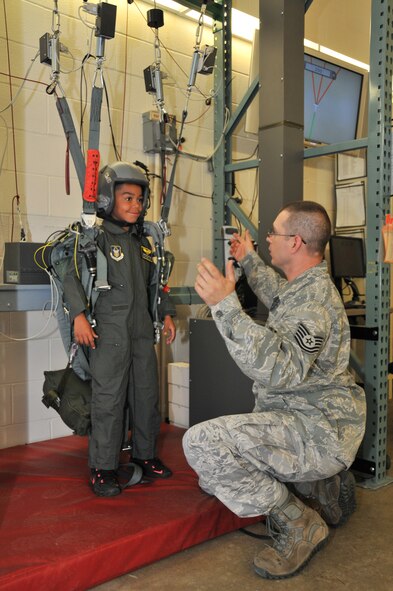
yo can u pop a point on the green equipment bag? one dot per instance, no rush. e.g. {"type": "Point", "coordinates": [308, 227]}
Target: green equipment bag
{"type": "Point", "coordinates": [70, 396]}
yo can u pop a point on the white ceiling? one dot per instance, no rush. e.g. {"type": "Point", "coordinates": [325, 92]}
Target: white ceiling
{"type": "Point", "coordinates": [342, 25]}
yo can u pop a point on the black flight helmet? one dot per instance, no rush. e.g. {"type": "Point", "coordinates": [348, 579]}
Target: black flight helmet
{"type": "Point", "coordinates": [114, 174]}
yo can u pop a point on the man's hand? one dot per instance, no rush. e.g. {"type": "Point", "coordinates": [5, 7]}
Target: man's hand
{"type": "Point", "coordinates": [241, 245]}
{"type": "Point", "coordinates": [83, 331]}
{"type": "Point", "coordinates": [169, 329]}
{"type": "Point", "coordinates": [210, 283]}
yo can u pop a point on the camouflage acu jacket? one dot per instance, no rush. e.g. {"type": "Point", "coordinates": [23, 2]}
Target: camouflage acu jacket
{"type": "Point", "coordinates": [299, 358]}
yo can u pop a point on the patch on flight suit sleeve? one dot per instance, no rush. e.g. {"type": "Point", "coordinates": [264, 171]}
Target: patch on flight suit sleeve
{"type": "Point", "coordinates": [116, 253]}
{"type": "Point", "coordinates": [146, 253]}
{"type": "Point", "coordinates": [306, 341]}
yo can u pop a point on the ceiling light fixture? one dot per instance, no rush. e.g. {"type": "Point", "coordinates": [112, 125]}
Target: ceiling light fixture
{"type": "Point", "coordinates": [336, 54]}
{"type": "Point", "coordinates": [172, 5]}
{"type": "Point", "coordinates": [344, 58]}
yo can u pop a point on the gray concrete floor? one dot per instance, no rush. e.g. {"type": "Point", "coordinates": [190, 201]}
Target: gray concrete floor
{"type": "Point", "coordinates": [358, 556]}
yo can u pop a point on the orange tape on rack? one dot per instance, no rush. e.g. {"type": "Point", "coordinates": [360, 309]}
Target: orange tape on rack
{"type": "Point", "coordinates": [91, 176]}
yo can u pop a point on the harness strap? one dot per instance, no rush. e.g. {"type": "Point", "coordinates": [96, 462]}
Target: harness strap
{"type": "Point", "coordinates": [93, 281]}
{"type": "Point", "coordinates": [132, 473]}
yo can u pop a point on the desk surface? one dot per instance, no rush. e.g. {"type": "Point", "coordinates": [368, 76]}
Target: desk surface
{"type": "Point", "coordinates": [23, 298]}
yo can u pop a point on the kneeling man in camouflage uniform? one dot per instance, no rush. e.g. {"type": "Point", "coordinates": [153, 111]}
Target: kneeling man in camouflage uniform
{"type": "Point", "coordinates": [296, 446]}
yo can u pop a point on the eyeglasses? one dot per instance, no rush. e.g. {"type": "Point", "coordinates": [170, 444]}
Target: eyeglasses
{"type": "Point", "coordinates": [273, 233]}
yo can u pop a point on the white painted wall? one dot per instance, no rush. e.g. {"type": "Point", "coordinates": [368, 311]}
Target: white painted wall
{"type": "Point", "coordinates": [36, 171]}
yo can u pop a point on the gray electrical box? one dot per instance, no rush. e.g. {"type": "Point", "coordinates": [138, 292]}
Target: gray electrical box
{"type": "Point", "coordinates": [157, 136]}
{"type": "Point", "coordinates": [19, 264]}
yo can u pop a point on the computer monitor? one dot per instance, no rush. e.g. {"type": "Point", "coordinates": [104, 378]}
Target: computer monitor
{"type": "Point", "coordinates": [347, 261]}
{"type": "Point", "coordinates": [347, 257]}
{"type": "Point", "coordinates": [333, 96]}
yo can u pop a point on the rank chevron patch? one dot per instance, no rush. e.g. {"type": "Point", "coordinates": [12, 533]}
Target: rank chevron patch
{"type": "Point", "coordinates": [306, 341]}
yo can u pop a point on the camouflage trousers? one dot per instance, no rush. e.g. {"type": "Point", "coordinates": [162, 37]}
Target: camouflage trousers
{"type": "Point", "coordinates": [244, 460]}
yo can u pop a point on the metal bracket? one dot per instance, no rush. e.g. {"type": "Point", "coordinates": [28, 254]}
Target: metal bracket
{"type": "Point", "coordinates": [365, 468]}
{"type": "Point", "coordinates": [364, 333]}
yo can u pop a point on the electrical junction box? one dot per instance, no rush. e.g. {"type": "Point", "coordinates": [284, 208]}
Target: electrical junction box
{"type": "Point", "coordinates": [106, 20]}
{"type": "Point", "coordinates": [148, 75]}
{"type": "Point", "coordinates": [158, 137]}
{"type": "Point", "coordinates": [227, 232]}
{"type": "Point", "coordinates": [19, 266]}
{"type": "Point", "coordinates": [45, 52]}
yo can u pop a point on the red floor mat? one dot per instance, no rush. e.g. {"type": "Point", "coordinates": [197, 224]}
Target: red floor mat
{"type": "Point", "coordinates": [55, 534]}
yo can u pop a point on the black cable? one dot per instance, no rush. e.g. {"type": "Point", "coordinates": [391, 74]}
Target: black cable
{"type": "Point", "coordinates": [83, 107]}
{"type": "Point", "coordinates": [191, 193]}
{"type": "Point", "coordinates": [239, 199]}
{"type": "Point", "coordinates": [252, 207]}
{"type": "Point", "coordinates": [118, 157]}
{"type": "Point", "coordinates": [238, 224]}
{"type": "Point", "coordinates": [247, 157]}
{"type": "Point", "coordinates": [157, 176]}
{"type": "Point", "coordinates": [255, 198]}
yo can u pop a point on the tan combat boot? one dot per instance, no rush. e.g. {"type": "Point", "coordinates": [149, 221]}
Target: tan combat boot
{"type": "Point", "coordinates": [298, 533]}
{"type": "Point", "coordinates": [334, 498]}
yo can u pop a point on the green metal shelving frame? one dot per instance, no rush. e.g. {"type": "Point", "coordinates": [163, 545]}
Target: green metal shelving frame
{"type": "Point", "coordinates": [374, 447]}
{"type": "Point", "coordinates": [373, 452]}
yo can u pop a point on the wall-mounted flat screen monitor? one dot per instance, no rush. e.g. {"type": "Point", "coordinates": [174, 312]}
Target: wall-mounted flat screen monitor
{"type": "Point", "coordinates": [332, 101]}
{"type": "Point", "coordinates": [347, 257]}
{"type": "Point", "coordinates": [335, 98]}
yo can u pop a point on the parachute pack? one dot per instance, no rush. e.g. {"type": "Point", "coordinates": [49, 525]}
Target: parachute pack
{"type": "Point", "coordinates": [68, 391]}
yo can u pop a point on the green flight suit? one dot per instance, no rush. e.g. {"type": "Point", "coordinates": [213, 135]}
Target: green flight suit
{"type": "Point", "coordinates": [123, 364]}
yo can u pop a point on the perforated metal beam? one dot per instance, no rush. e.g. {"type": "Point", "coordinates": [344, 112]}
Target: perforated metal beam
{"type": "Point", "coordinates": [374, 446]}
{"type": "Point", "coordinates": [223, 179]}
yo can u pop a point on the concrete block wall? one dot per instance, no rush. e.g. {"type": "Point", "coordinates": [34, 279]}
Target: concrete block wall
{"type": "Point", "coordinates": [32, 345]}
{"type": "Point", "coordinates": [36, 172]}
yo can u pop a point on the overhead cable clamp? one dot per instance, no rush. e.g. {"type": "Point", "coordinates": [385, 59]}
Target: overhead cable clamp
{"type": "Point", "coordinates": [152, 74]}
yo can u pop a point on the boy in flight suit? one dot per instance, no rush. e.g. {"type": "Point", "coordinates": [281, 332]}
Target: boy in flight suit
{"type": "Point", "coordinates": [122, 357]}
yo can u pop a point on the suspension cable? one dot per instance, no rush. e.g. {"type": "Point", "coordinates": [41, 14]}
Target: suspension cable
{"type": "Point", "coordinates": [191, 82]}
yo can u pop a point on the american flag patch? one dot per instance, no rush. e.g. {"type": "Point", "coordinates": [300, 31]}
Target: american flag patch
{"type": "Point", "coordinates": [306, 341]}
